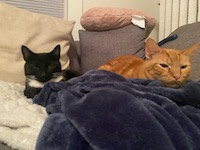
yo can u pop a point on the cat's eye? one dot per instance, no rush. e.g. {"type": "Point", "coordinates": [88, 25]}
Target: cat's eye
{"type": "Point", "coordinates": [184, 66]}
{"type": "Point", "coordinates": [164, 65]}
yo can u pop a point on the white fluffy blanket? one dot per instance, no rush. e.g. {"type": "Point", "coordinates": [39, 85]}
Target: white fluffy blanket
{"type": "Point", "coordinates": [20, 119]}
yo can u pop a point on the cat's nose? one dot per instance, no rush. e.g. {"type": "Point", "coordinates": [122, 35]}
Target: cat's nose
{"type": "Point", "coordinates": [176, 76]}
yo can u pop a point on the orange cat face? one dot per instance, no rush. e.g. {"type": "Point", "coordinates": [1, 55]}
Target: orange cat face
{"type": "Point", "coordinates": [172, 67]}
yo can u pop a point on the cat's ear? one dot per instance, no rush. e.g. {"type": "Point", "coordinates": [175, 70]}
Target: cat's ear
{"type": "Point", "coordinates": [151, 48]}
{"type": "Point", "coordinates": [26, 52]}
{"type": "Point", "coordinates": [56, 52]}
{"type": "Point", "coordinates": [191, 50]}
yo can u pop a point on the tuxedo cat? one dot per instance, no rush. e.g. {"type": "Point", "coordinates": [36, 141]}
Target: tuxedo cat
{"type": "Point", "coordinates": [41, 68]}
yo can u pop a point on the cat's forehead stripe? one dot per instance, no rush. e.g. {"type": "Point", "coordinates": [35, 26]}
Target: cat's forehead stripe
{"type": "Point", "coordinates": [174, 55]}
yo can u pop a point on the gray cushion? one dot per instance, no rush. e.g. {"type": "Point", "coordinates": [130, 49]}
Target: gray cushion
{"type": "Point", "coordinates": [187, 36]}
{"type": "Point", "coordinates": [73, 55]}
{"type": "Point", "coordinates": [99, 47]}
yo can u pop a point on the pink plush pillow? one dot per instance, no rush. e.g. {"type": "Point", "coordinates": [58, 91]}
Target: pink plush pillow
{"type": "Point", "coordinates": [107, 18]}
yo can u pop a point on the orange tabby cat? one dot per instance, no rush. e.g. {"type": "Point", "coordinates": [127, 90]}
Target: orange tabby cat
{"type": "Point", "coordinates": [172, 67]}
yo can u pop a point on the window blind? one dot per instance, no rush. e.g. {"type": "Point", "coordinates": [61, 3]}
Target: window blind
{"type": "Point", "coordinates": [54, 8]}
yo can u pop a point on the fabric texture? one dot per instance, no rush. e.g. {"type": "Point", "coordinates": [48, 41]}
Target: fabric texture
{"type": "Point", "coordinates": [99, 47]}
{"type": "Point", "coordinates": [41, 33]}
{"type": "Point", "coordinates": [108, 18]}
{"type": "Point", "coordinates": [4, 147]}
{"type": "Point", "coordinates": [102, 110]}
{"type": "Point", "coordinates": [187, 36]}
{"type": "Point", "coordinates": [20, 119]}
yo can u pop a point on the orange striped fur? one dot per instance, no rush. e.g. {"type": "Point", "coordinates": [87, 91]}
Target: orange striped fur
{"type": "Point", "coordinates": [170, 66]}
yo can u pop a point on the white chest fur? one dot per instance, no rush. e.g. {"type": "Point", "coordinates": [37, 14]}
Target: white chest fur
{"type": "Point", "coordinates": [36, 84]}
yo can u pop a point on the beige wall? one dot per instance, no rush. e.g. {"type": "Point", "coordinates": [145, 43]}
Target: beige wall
{"type": "Point", "coordinates": [77, 7]}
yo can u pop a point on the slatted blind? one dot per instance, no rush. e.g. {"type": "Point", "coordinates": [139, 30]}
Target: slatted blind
{"type": "Point", "coordinates": [176, 13]}
{"type": "Point", "coordinates": [54, 8]}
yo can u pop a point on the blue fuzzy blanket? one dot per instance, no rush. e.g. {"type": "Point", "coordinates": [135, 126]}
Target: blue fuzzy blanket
{"type": "Point", "coordinates": [104, 111]}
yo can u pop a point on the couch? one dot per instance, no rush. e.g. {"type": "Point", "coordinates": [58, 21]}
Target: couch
{"type": "Point", "coordinates": [99, 109]}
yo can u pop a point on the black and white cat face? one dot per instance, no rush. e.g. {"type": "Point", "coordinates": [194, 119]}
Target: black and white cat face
{"type": "Point", "coordinates": [41, 67]}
